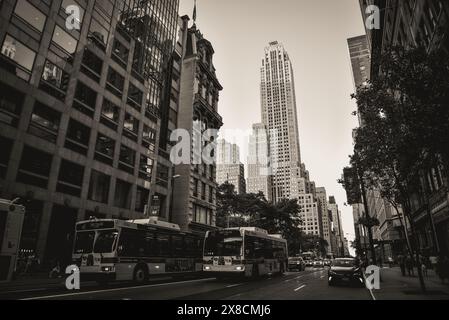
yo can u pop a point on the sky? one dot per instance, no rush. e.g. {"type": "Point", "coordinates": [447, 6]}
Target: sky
{"type": "Point", "coordinates": [314, 33]}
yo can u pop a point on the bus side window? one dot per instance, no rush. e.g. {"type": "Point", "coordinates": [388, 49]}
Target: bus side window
{"type": "Point", "coordinates": [177, 245]}
{"type": "Point", "coordinates": [191, 246]}
{"type": "Point", "coordinates": [163, 245]}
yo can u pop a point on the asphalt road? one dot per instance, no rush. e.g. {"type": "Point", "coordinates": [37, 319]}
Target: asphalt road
{"type": "Point", "coordinates": [307, 285]}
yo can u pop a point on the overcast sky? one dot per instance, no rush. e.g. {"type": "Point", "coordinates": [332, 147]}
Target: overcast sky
{"type": "Point", "coordinates": [314, 32]}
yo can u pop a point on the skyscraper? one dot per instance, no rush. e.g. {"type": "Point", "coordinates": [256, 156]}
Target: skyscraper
{"type": "Point", "coordinates": [259, 177]}
{"type": "Point", "coordinates": [279, 114]}
{"type": "Point", "coordinates": [324, 219]}
{"type": "Point", "coordinates": [229, 167]}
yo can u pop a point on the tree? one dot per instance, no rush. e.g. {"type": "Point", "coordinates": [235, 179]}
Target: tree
{"type": "Point", "coordinates": [405, 131]}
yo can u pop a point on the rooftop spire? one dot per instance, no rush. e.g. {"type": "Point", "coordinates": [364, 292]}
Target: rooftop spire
{"type": "Point", "coordinates": [194, 13]}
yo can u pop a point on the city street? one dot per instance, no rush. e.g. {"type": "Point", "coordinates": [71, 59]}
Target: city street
{"type": "Point", "coordinates": [307, 285]}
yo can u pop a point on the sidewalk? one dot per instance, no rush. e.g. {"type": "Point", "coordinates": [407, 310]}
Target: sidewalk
{"type": "Point", "coordinates": [396, 287]}
{"type": "Point", "coordinates": [37, 282]}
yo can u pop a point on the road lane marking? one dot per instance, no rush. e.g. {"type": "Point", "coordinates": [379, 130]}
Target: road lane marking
{"type": "Point", "coordinates": [234, 285]}
{"type": "Point", "coordinates": [301, 287]}
{"type": "Point", "coordinates": [116, 289]}
{"type": "Point", "coordinates": [321, 277]}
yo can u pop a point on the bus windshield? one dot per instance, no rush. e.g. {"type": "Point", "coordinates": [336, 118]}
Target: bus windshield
{"type": "Point", "coordinates": [95, 241]}
{"type": "Point", "coordinates": [105, 242]}
{"type": "Point", "coordinates": [223, 244]}
{"type": "Point", "coordinates": [84, 242]}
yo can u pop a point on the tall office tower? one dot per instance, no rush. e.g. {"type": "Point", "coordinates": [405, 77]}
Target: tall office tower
{"type": "Point", "coordinates": [279, 114]}
{"type": "Point", "coordinates": [194, 193]}
{"type": "Point", "coordinates": [337, 226]}
{"type": "Point", "coordinates": [259, 174]}
{"type": "Point", "coordinates": [360, 61]}
{"type": "Point", "coordinates": [324, 219]}
{"type": "Point", "coordinates": [79, 112]}
{"type": "Point", "coordinates": [229, 167]}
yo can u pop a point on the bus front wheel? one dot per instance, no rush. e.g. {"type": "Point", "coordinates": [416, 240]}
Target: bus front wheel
{"type": "Point", "coordinates": [141, 274]}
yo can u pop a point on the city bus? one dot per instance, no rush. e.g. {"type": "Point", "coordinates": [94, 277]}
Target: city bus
{"type": "Point", "coordinates": [116, 250]}
{"type": "Point", "coordinates": [11, 223]}
{"type": "Point", "coordinates": [248, 252]}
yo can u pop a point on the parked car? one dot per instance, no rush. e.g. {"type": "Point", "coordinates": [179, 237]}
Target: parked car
{"type": "Point", "coordinates": [327, 263]}
{"type": "Point", "coordinates": [345, 270]}
{"type": "Point", "coordinates": [318, 264]}
{"type": "Point", "coordinates": [296, 264]}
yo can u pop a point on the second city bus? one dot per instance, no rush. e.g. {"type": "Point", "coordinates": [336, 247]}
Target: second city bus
{"type": "Point", "coordinates": [248, 252]}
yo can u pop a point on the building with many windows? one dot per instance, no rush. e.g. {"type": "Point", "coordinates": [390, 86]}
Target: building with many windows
{"type": "Point", "coordinates": [280, 116]}
{"type": "Point", "coordinates": [80, 112]}
{"type": "Point", "coordinates": [259, 166]}
{"type": "Point", "coordinates": [229, 167]}
{"type": "Point", "coordinates": [194, 193]}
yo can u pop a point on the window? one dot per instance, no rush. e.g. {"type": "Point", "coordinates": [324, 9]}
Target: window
{"type": "Point", "coordinates": [30, 15]}
{"type": "Point", "coordinates": [195, 187]}
{"type": "Point", "coordinates": [135, 97]}
{"type": "Point", "coordinates": [92, 65]}
{"type": "Point", "coordinates": [110, 114]}
{"type": "Point", "coordinates": [142, 197]}
{"type": "Point", "coordinates": [6, 147]}
{"type": "Point", "coordinates": [98, 34]}
{"type": "Point", "coordinates": [99, 187]}
{"type": "Point", "coordinates": [211, 194]}
{"type": "Point", "coordinates": [120, 53]}
{"type": "Point", "coordinates": [78, 136]}
{"type": "Point", "coordinates": [34, 167]}
{"type": "Point", "coordinates": [64, 41]}
{"type": "Point", "coordinates": [131, 124]}
{"type": "Point", "coordinates": [149, 138]}
{"type": "Point", "coordinates": [122, 198]}
{"type": "Point", "coordinates": [54, 81]}
{"type": "Point", "coordinates": [145, 167]}
{"type": "Point", "coordinates": [115, 82]}
{"type": "Point", "coordinates": [203, 191]}
{"type": "Point", "coordinates": [70, 178]}
{"type": "Point", "coordinates": [11, 102]}
{"type": "Point", "coordinates": [44, 122]}
{"type": "Point", "coordinates": [85, 99]}
{"type": "Point", "coordinates": [20, 58]}
{"type": "Point", "coordinates": [104, 149]}
{"type": "Point", "coordinates": [127, 159]}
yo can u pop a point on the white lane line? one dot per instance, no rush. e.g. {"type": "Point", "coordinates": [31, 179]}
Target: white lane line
{"type": "Point", "coordinates": [288, 280]}
{"type": "Point", "coordinates": [301, 287]}
{"type": "Point", "coordinates": [321, 277]}
{"type": "Point", "coordinates": [299, 277]}
{"type": "Point", "coordinates": [234, 285]}
{"type": "Point", "coordinates": [116, 289]}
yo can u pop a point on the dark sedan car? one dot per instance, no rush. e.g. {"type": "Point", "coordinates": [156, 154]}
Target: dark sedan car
{"type": "Point", "coordinates": [345, 270]}
{"type": "Point", "coordinates": [296, 263]}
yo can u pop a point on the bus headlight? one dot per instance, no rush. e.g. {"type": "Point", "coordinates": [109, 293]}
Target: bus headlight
{"type": "Point", "coordinates": [207, 268]}
{"type": "Point", "coordinates": [107, 269]}
{"type": "Point", "coordinates": [239, 268]}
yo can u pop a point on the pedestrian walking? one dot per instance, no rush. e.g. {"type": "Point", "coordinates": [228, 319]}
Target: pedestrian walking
{"type": "Point", "coordinates": [409, 266]}
{"type": "Point", "coordinates": [401, 260]}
